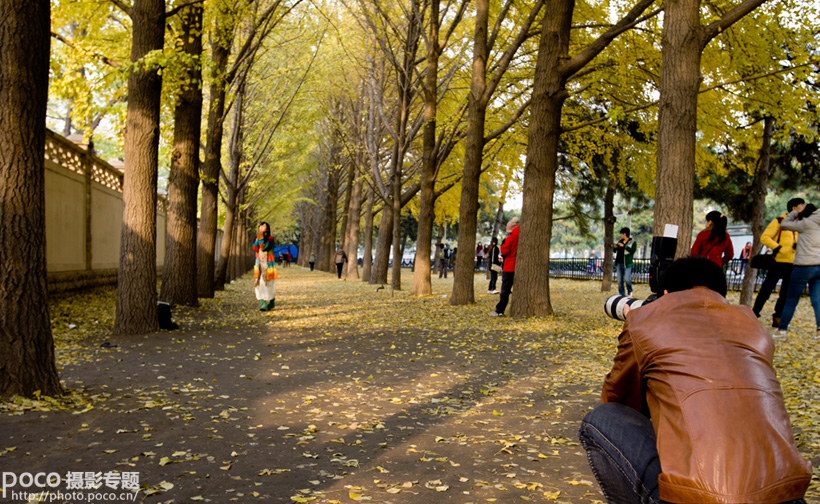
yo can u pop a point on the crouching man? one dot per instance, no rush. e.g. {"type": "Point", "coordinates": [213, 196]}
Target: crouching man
{"type": "Point", "coordinates": [692, 409]}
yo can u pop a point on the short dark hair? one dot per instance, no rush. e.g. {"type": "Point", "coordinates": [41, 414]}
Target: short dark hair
{"type": "Point", "coordinates": [624, 230]}
{"type": "Point", "coordinates": [689, 272]}
{"type": "Point", "coordinates": [793, 203]}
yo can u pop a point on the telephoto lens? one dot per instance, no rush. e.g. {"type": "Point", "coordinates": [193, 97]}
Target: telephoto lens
{"type": "Point", "coordinates": [614, 305]}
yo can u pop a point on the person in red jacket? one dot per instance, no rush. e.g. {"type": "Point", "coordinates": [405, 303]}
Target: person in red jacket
{"type": "Point", "coordinates": [714, 242]}
{"type": "Point", "coordinates": [509, 248]}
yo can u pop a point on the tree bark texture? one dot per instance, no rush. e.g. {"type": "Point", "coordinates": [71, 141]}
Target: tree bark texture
{"type": "Point", "coordinates": [26, 344]}
{"type": "Point", "coordinates": [306, 223]}
{"type": "Point", "coordinates": [439, 241]}
{"type": "Point", "coordinates": [552, 69]}
{"type": "Point", "coordinates": [206, 238]}
{"type": "Point", "coordinates": [761, 183]}
{"type": "Point", "coordinates": [231, 187]}
{"type": "Point", "coordinates": [179, 280]}
{"type": "Point", "coordinates": [352, 242]}
{"type": "Point", "coordinates": [378, 274]}
{"type": "Point", "coordinates": [329, 230]}
{"type": "Point", "coordinates": [351, 175]}
{"type": "Point", "coordinates": [317, 221]}
{"type": "Point", "coordinates": [464, 284]}
{"type": "Point", "coordinates": [395, 277]}
{"type": "Point", "coordinates": [422, 284]}
{"type": "Point", "coordinates": [677, 120]}
{"type": "Point", "coordinates": [609, 232]}
{"type": "Point", "coordinates": [137, 276]}
{"type": "Point", "coordinates": [531, 296]}
{"type": "Point", "coordinates": [367, 258]}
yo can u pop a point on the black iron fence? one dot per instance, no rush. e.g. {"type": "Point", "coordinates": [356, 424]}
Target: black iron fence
{"type": "Point", "coordinates": [593, 269]}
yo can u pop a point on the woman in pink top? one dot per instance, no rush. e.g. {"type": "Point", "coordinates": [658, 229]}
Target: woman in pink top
{"type": "Point", "coordinates": [714, 242]}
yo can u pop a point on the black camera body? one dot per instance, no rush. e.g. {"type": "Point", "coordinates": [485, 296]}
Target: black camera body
{"type": "Point", "coordinates": [662, 255]}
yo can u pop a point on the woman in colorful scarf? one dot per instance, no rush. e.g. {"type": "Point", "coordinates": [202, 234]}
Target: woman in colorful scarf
{"type": "Point", "coordinates": [264, 270]}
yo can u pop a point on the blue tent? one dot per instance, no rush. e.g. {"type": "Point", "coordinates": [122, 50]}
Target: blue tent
{"type": "Point", "coordinates": [281, 249]}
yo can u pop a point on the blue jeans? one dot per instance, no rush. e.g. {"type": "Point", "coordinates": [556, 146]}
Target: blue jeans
{"type": "Point", "coordinates": [624, 276]}
{"type": "Point", "coordinates": [623, 455]}
{"type": "Point", "coordinates": [801, 276]}
{"type": "Point", "coordinates": [621, 448]}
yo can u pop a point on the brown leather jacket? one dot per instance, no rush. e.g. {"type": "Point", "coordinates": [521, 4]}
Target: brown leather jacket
{"type": "Point", "coordinates": [701, 369]}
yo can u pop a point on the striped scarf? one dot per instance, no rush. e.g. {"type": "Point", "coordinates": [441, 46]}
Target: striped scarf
{"type": "Point", "coordinates": [265, 245]}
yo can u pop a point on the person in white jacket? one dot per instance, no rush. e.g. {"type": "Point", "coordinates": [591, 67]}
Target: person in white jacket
{"type": "Point", "coordinates": [806, 266]}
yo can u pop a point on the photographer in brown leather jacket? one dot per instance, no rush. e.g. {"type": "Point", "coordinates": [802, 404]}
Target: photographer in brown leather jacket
{"type": "Point", "coordinates": [692, 409]}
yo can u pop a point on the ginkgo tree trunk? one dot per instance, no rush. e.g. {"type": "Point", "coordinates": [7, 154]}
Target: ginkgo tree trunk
{"type": "Point", "coordinates": [137, 275]}
{"type": "Point", "coordinates": [554, 67]}
{"type": "Point", "coordinates": [179, 279]}
{"type": "Point", "coordinates": [684, 38]}
{"type": "Point", "coordinates": [26, 344]}
{"type": "Point", "coordinates": [422, 284]}
{"type": "Point", "coordinates": [221, 41]}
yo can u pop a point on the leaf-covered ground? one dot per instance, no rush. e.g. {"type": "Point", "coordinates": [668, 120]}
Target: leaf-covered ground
{"type": "Point", "coordinates": [345, 393]}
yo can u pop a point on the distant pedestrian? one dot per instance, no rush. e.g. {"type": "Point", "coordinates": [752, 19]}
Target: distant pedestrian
{"type": "Point", "coordinates": [340, 259]}
{"type": "Point", "coordinates": [624, 252]}
{"type": "Point", "coordinates": [264, 269]}
{"type": "Point", "coordinates": [479, 257]}
{"type": "Point", "coordinates": [745, 255]}
{"type": "Point", "coordinates": [443, 258]}
{"type": "Point", "coordinates": [494, 265]}
{"type": "Point", "coordinates": [312, 261]}
{"type": "Point", "coordinates": [509, 249]}
{"type": "Point", "coordinates": [288, 259]}
{"type": "Point", "coordinates": [806, 266]}
{"type": "Point", "coordinates": [714, 242]}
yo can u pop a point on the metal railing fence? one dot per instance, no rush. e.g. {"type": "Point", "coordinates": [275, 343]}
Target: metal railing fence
{"type": "Point", "coordinates": [593, 269]}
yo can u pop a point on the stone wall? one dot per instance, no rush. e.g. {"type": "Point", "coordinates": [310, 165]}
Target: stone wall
{"type": "Point", "coordinates": [84, 217]}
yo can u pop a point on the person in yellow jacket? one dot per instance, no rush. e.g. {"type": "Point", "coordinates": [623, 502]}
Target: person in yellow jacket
{"type": "Point", "coordinates": [782, 243]}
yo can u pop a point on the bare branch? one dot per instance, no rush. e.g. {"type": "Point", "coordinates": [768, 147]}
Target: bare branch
{"type": "Point", "coordinates": [631, 19]}
{"type": "Point", "coordinates": [502, 15]}
{"type": "Point", "coordinates": [173, 12]}
{"type": "Point", "coordinates": [506, 58]}
{"type": "Point", "coordinates": [105, 59]}
{"type": "Point", "coordinates": [459, 16]}
{"type": "Point", "coordinates": [714, 29]}
{"type": "Point", "coordinates": [122, 6]}
{"type": "Point", "coordinates": [513, 119]}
